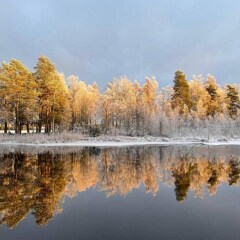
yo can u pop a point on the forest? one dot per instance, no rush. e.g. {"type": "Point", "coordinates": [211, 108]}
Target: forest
{"type": "Point", "coordinates": [44, 101]}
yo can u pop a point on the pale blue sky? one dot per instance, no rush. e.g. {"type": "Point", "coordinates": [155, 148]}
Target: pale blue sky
{"type": "Point", "coordinates": [100, 39]}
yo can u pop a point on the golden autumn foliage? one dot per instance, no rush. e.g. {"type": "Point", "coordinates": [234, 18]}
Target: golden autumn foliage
{"type": "Point", "coordinates": [44, 101]}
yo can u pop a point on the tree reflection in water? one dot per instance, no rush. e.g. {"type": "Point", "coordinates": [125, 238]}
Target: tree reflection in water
{"type": "Point", "coordinates": [37, 180]}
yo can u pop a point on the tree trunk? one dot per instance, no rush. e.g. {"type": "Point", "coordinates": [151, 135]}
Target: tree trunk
{"type": "Point", "coordinates": [27, 125]}
{"type": "Point", "coordinates": [39, 126]}
{"type": "Point", "coordinates": [46, 127]}
{"type": "Point", "coordinates": [46, 123]}
{"type": "Point", "coordinates": [5, 127]}
{"type": "Point", "coordinates": [20, 128]}
{"type": "Point", "coordinates": [73, 121]}
{"type": "Point", "coordinates": [53, 125]}
{"type": "Point", "coordinates": [16, 119]}
{"type": "Point", "coordinates": [49, 126]}
{"type": "Point", "coordinates": [16, 125]}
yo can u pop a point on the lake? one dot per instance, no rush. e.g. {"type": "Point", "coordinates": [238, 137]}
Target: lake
{"type": "Point", "coordinates": [151, 192]}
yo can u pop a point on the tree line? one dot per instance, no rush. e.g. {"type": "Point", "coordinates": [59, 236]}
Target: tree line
{"type": "Point", "coordinates": [44, 101]}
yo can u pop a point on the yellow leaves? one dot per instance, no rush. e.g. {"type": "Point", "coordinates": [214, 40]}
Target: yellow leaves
{"type": "Point", "coordinates": [44, 68]}
{"type": "Point", "coordinates": [149, 95]}
{"type": "Point", "coordinates": [53, 95]}
{"type": "Point", "coordinates": [150, 90]}
{"type": "Point", "coordinates": [83, 99]}
{"type": "Point", "coordinates": [18, 90]}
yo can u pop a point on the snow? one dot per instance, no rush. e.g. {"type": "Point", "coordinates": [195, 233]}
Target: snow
{"type": "Point", "coordinates": [122, 142]}
{"type": "Point", "coordinates": [217, 143]}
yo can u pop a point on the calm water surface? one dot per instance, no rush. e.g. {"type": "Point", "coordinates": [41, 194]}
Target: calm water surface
{"type": "Point", "coordinates": [181, 192]}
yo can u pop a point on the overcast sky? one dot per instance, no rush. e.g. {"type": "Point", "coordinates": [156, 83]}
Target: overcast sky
{"type": "Point", "coordinates": [100, 39]}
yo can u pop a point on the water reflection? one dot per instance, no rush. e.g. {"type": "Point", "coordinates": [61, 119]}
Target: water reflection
{"type": "Point", "coordinates": [37, 180]}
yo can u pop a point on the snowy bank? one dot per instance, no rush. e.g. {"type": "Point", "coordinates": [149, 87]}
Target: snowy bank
{"type": "Point", "coordinates": [62, 140]}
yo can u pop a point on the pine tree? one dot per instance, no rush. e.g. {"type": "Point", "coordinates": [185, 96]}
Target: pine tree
{"type": "Point", "coordinates": [181, 95]}
{"type": "Point", "coordinates": [214, 104]}
{"type": "Point", "coordinates": [44, 74]}
{"type": "Point", "coordinates": [233, 101]}
{"type": "Point", "coordinates": [53, 94]}
{"type": "Point", "coordinates": [20, 93]}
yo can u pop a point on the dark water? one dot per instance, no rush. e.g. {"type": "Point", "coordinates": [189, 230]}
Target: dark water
{"type": "Point", "coordinates": [179, 192]}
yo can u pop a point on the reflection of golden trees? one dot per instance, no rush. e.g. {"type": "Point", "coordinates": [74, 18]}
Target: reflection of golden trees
{"type": "Point", "coordinates": [122, 170]}
{"type": "Point", "coordinates": [53, 177]}
{"type": "Point", "coordinates": [17, 177]}
{"type": "Point", "coordinates": [84, 172]}
{"type": "Point", "coordinates": [37, 183]}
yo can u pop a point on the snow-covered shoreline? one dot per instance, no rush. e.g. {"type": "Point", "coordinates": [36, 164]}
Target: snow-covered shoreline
{"type": "Point", "coordinates": [121, 141]}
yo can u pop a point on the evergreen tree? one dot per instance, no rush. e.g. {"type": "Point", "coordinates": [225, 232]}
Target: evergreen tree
{"type": "Point", "coordinates": [181, 95]}
{"type": "Point", "coordinates": [233, 101]}
{"type": "Point", "coordinates": [214, 105]}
